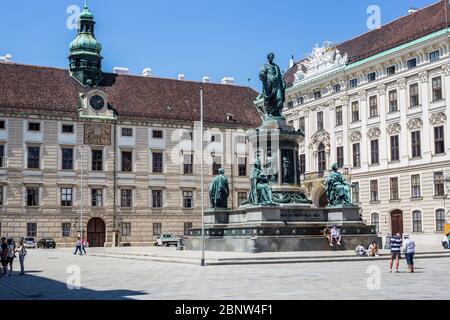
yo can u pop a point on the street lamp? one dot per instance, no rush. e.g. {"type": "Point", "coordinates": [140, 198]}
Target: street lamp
{"type": "Point", "coordinates": [202, 179]}
{"type": "Point", "coordinates": [82, 191]}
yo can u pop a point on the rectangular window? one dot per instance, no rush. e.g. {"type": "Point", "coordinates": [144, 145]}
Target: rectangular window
{"type": "Point", "coordinates": [127, 161]}
{"type": "Point", "coordinates": [2, 156]}
{"type": "Point", "coordinates": [67, 159]}
{"type": "Point", "coordinates": [395, 148]}
{"type": "Point", "coordinates": [317, 95]}
{"type": "Point", "coordinates": [394, 188]}
{"type": "Point", "coordinates": [437, 88]}
{"type": "Point", "coordinates": [66, 229]}
{"type": "Point", "coordinates": [439, 140]}
{"type": "Point", "coordinates": [97, 197]}
{"type": "Point", "coordinates": [393, 101]}
{"type": "Point", "coordinates": [242, 197]}
{"type": "Point", "coordinates": [340, 156]}
{"type": "Point", "coordinates": [34, 126]}
{"type": "Point", "coordinates": [353, 83]}
{"type": "Point", "coordinates": [67, 128]}
{"type": "Point", "coordinates": [188, 199]}
{"type": "Point", "coordinates": [301, 100]}
{"type": "Point", "coordinates": [127, 132]}
{"type": "Point", "coordinates": [411, 63]}
{"type": "Point", "coordinates": [416, 144]}
{"type": "Point", "coordinates": [320, 121]}
{"type": "Point", "coordinates": [434, 56]}
{"type": "Point", "coordinates": [290, 104]}
{"type": "Point", "coordinates": [66, 197]}
{"type": "Point", "coordinates": [414, 95]}
{"type": "Point", "coordinates": [2, 196]}
{"type": "Point", "coordinates": [157, 229]}
{"type": "Point", "coordinates": [390, 70]}
{"type": "Point", "coordinates": [374, 190]}
{"type": "Point", "coordinates": [338, 116]}
{"type": "Point", "coordinates": [126, 198]}
{"type": "Point", "coordinates": [32, 230]}
{"type": "Point", "coordinates": [157, 162]}
{"type": "Point", "coordinates": [373, 106]}
{"type": "Point", "coordinates": [374, 152]}
{"type": "Point", "coordinates": [440, 220]}
{"type": "Point", "coordinates": [337, 88]}
{"type": "Point", "coordinates": [187, 136]}
{"type": "Point", "coordinates": [302, 124]}
{"type": "Point", "coordinates": [302, 165]}
{"type": "Point", "coordinates": [217, 164]}
{"type": "Point", "coordinates": [157, 134]}
{"type": "Point", "coordinates": [371, 77]}
{"type": "Point", "coordinates": [157, 198]}
{"type": "Point", "coordinates": [355, 111]}
{"type": "Point", "coordinates": [126, 229]}
{"type": "Point", "coordinates": [415, 186]}
{"type": "Point", "coordinates": [97, 160]}
{"type": "Point", "coordinates": [355, 193]}
{"type": "Point", "coordinates": [417, 221]}
{"type": "Point", "coordinates": [34, 157]}
{"type": "Point", "coordinates": [32, 197]}
{"type": "Point", "coordinates": [188, 163]}
{"type": "Point", "coordinates": [242, 167]}
{"type": "Point", "coordinates": [356, 155]}
{"type": "Point", "coordinates": [439, 184]}
{"type": "Point", "coordinates": [187, 228]}
{"type": "Point", "coordinates": [2, 125]}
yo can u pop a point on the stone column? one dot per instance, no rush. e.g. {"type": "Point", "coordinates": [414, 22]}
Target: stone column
{"type": "Point", "coordinates": [384, 144]}
{"type": "Point", "coordinates": [403, 107]}
{"type": "Point", "coordinates": [308, 155]}
{"type": "Point", "coordinates": [426, 138]}
{"type": "Point", "coordinates": [346, 131]}
{"type": "Point", "coordinates": [332, 130]}
{"type": "Point", "coordinates": [446, 81]}
{"type": "Point", "coordinates": [365, 144]}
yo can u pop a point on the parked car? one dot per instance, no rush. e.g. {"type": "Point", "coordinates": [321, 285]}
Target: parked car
{"type": "Point", "coordinates": [166, 240]}
{"type": "Point", "coordinates": [46, 243]}
{"type": "Point", "coordinates": [29, 243]}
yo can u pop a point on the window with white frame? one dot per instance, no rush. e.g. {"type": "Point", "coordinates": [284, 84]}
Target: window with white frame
{"type": "Point", "coordinates": [375, 221]}
{"type": "Point", "coordinates": [393, 101]}
{"type": "Point", "coordinates": [97, 197]}
{"type": "Point", "coordinates": [127, 132]}
{"type": "Point", "coordinates": [34, 157]}
{"type": "Point", "coordinates": [374, 191]}
{"type": "Point", "coordinates": [188, 199]}
{"type": "Point", "coordinates": [32, 196]}
{"type": "Point", "coordinates": [439, 190]}
{"type": "Point", "coordinates": [414, 95]}
{"type": "Point", "coordinates": [415, 186]}
{"type": "Point", "coordinates": [126, 229]}
{"type": "Point", "coordinates": [157, 199]}
{"type": "Point", "coordinates": [126, 198]}
{"type": "Point", "coordinates": [434, 56]}
{"type": "Point", "coordinates": [355, 193]}
{"type": "Point", "coordinates": [394, 192]}
{"type": "Point", "coordinates": [440, 219]}
{"type": "Point", "coordinates": [439, 140]}
{"type": "Point", "coordinates": [66, 227]}
{"type": "Point", "coordinates": [436, 84]}
{"type": "Point", "coordinates": [417, 221]}
{"type": "Point", "coordinates": [66, 197]}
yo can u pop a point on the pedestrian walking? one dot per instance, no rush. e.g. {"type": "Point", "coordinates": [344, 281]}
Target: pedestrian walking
{"type": "Point", "coordinates": [410, 250]}
{"type": "Point", "coordinates": [396, 255]}
{"type": "Point", "coordinates": [22, 253]}
{"type": "Point", "coordinates": [4, 253]}
{"type": "Point", "coordinates": [78, 247]}
{"type": "Point", "coordinates": [11, 254]}
{"type": "Point", "coordinates": [83, 245]}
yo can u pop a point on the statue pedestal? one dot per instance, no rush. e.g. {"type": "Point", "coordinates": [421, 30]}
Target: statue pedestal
{"type": "Point", "coordinates": [340, 215]}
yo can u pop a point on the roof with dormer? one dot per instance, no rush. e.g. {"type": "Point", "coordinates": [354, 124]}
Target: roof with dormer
{"type": "Point", "coordinates": [393, 34]}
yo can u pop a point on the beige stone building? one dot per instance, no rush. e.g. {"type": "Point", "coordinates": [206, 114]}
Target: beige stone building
{"type": "Point", "coordinates": [378, 106]}
{"type": "Point", "coordinates": [114, 154]}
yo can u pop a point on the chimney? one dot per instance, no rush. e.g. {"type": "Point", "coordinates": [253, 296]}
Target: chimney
{"type": "Point", "coordinates": [120, 70]}
{"type": "Point", "coordinates": [206, 79]}
{"type": "Point", "coordinates": [181, 76]}
{"type": "Point", "coordinates": [291, 62]}
{"type": "Point", "coordinates": [6, 58]}
{"type": "Point", "coordinates": [147, 72]}
{"type": "Point", "coordinates": [228, 80]}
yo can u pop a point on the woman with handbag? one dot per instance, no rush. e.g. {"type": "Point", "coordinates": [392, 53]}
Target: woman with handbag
{"type": "Point", "coordinates": [22, 253]}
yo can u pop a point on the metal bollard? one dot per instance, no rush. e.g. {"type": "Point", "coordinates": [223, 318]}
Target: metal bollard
{"type": "Point", "coordinates": [180, 246]}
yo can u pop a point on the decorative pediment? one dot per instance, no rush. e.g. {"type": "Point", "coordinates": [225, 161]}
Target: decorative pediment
{"type": "Point", "coordinates": [394, 128]}
{"type": "Point", "coordinates": [318, 138]}
{"type": "Point", "coordinates": [423, 76]}
{"type": "Point", "coordinates": [415, 123]}
{"type": "Point", "coordinates": [381, 89]}
{"type": "Point", "coordinates": [355, 136]}
{"type": "Point", "coordinates": [438, 118]}
{"type": "Point", "coordinates": [321, 59]}
{"type": "Point", "coordinates": [374, 133]}
{"type": "Point", "coordinates": [339, 140]}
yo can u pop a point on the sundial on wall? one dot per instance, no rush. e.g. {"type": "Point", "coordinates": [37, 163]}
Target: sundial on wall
{"type": "Point", "coordinates": [98, 134]}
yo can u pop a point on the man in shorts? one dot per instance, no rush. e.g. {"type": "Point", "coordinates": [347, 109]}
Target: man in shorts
{"type": "Point", "coordinates": [396, 245]}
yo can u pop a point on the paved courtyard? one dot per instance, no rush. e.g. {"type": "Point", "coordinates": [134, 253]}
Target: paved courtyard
{"type": "Point", "coordinates": [119, 278]}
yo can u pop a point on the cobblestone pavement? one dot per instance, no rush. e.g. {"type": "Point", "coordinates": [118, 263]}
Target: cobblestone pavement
{"type": "Point", "coordinates": [116, 278]}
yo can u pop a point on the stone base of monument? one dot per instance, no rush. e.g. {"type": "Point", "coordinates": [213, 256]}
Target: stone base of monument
{"type": "Point", "coordinates": [280, 229]}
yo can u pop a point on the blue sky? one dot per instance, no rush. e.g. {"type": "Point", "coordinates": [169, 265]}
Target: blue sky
{"type": "Point", "coordinates": [217, 38]}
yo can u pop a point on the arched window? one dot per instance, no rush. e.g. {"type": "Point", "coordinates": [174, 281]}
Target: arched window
{"type": "Point", "coordinates": [417, 221]}
{"type": "Point", "coordinates": [321, 158]}
{"type": "Point", "coordinates": [375, 221]}
{"type": "Point", "coordinates": [440, 219]}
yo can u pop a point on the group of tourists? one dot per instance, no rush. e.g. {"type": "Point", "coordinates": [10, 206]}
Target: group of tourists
{"type": "Point", "coordinates": [80, 246]}
{"type": "Point", "coordinates": [8, 251]}
{"type": "Point", "coordinates": [409, 248]}
{"type": "Point", "coordinates": [371, 251]}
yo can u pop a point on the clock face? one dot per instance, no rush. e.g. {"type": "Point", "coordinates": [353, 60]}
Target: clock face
{"type": "Point", "coordinates": [97, 102]}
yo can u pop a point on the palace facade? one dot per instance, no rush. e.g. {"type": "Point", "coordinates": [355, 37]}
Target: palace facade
{"type": "Point", "coordinates": [378, 106]}
{"type": "Point", "coordinates": [114, 155]}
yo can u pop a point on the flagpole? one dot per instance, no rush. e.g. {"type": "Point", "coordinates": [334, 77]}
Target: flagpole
{"type": "Point", "coordinates": [202, 178]}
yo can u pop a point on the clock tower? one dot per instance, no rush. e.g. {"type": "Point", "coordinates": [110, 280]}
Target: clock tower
{"type": "Point", "coordinates": [85, 58]}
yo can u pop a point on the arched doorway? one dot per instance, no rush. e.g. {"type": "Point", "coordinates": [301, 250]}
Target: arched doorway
{"type": "Point", "coordinates": [397, 222]}
{"type": "Point", "coordinates": [96, 233]}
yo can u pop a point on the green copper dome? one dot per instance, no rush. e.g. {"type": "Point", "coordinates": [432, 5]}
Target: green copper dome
{"type": "Point", "coordinates": [86, 14]}
{"type": "Point", "coordinates": [85, 42]}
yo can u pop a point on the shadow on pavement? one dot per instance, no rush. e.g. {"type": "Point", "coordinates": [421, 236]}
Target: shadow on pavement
{"type": "Point", "coordinates": [32, 287]}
